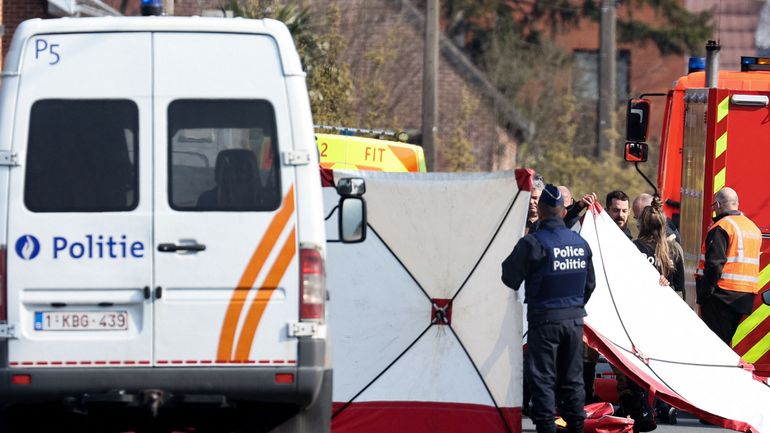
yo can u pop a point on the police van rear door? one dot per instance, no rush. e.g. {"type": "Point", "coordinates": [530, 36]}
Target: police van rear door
{"type": "Point", "coordinates": [226, 263]}
{"type": "Point", "coordinates": [80, 203]}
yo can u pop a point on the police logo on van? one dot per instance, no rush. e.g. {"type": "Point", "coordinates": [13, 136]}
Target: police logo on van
{"type": "Point", "coordinates": [27, 247]}
{"type": "Point", "coordinates": [90, 246]}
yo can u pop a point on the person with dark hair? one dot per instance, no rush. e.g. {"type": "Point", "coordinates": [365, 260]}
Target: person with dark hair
{"type": "Point", "coordinates": [728, 270]}
{"type": "Point", "coordinates": [617, 207]}
{"type": "Point", "coordinates": [555, 264]}
{"type": "Point", "coordinates": [661, 251]}
{"type": "Point", "coordinates": [644, 200]}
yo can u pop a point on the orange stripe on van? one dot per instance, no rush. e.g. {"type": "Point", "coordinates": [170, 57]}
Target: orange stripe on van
{"type": "Point", "coordinates": [368, 167]}
{"type": "Point", "coordinates": [257, 261]}
{"type": "Point", "coordinates": [407, 156]}
{"type": "Point", "coordinates": [262, 298]}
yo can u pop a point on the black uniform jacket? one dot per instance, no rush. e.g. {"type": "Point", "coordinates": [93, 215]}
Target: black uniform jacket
{"type": "Point", "coordinates": [527, 256]}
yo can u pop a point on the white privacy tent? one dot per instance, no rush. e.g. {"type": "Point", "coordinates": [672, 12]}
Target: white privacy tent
{"type": "Point", "coordinates": [656, 338]}
{"type": "Point", "coordinates": [425, 336]}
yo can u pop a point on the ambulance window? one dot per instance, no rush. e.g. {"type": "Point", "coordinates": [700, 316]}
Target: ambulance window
{"type": "Point", "coordinates": [82, 156]}
{"type": "Point", "coordinates": [223, 156]}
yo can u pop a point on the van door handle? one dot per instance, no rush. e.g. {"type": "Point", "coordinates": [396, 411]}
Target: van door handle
{"type": "Point", "coordinates": [172, 248]}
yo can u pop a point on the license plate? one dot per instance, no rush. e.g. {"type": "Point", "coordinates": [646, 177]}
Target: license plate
{"type": "Point", "coordinates": [81, 321]}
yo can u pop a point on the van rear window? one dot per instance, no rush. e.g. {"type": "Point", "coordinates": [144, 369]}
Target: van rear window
{"type": "Point", "coordinates": [82, 156]}
{"type": "Point", "coordinates": [223, 156]}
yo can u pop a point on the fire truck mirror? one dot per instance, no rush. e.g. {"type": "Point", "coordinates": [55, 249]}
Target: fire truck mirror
{"type": "Point", "coordinates": [635, 152]}
{"type": "Point", "coordinates": [637, 119]}
{"type": "Point", "coordinates": [766, 297]}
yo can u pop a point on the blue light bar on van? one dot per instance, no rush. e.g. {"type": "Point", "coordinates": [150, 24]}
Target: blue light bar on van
{"type": "Point", "coordinates": [755, 63]}
{"type": "Point", "coordinates": [696, 64]}
{"type": "Point", "coordinates": [152, 7]}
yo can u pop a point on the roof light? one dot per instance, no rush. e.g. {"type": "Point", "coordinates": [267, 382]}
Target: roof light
{"type": "Point", "coordinates": [152, 7]}
{"type": "Point", "coordinates": [755, 63]}
{"type": "Point", "coordinates": [696, 64]}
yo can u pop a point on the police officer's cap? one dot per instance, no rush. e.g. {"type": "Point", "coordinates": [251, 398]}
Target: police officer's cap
{"type": "Point", "coordinates": [551, 196]}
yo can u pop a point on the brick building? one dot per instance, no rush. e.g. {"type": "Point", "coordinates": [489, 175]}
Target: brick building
{"type": "Point", "coordinates": [394, 28]}
{"type": "Point", "coordinates": [641, 67]}
{"type": "Point", "coordinates": [469, 105]}
{"type": "Point", "coordinates": [736, 27]}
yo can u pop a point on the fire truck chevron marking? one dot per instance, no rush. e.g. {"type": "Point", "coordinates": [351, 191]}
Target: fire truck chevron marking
{"type": "Point", "coordinates": [755, 318]}
{"type": "Point", "coordinates": [750, 323]}
{"type": "Point", "coordinates": [719, 179]}
{"type": "Point", "coordinates": [723, 108]}
{"type": "Point", "coordinates": [246, 283]}
{"type": "Point", "coordinates": [721, 145]}
{"type": "Point", "coordinates": [756, 352]}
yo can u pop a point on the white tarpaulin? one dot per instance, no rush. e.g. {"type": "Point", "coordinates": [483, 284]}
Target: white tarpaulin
{"type": "Point", "coordinates": [655, 337]}
{"type": "Point", "coordinates": [434, 243]}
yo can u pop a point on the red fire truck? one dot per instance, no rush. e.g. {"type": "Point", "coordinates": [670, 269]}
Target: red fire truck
{"type": "Point", "coordinates": [716, 133]}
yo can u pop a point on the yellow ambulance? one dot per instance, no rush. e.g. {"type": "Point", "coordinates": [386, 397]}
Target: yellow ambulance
{"type": "Point", "coordinates": [362, 153]}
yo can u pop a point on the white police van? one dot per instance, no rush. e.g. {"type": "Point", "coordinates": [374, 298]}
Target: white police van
{"type": "Point", "coordinates": [162, 226]}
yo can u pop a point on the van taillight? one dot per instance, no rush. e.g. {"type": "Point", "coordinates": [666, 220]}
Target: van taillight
{"type": "Point", "coordinates": [3, 284]}
{"type": "Point", "coordinates": [312, 290]}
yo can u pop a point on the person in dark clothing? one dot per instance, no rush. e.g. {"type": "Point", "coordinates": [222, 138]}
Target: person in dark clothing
{"type": "Point", "coordinates": [572, 216]}
{"type": "Point", "coordinates": [531, 225]}
{"type": "Point", "coordinates": [532, 215]}
{"type": "Point", "coordinates": [665, 254]}
{"type": "Point", "coordinates": [590, 356]}
{"type": "Point", "coordinates": [616, 206]}
{"type": "Point", "coordinates": [555, 264]}
{"type": "Point", "coordinates": [729, 268]}
{"type": "Point", "coordinates": [662, 251]}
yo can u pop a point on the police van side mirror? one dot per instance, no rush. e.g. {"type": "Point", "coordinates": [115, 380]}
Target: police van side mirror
{"type": "Point", "coordinates": [766, 297]}
{"type": "Point", "coordinates": [351, 186]}
{"type": "Point", "coordinates": [352, 219]}
{"type": "Point", "coordinates": [637, 120]}
{"type": "Point", "coordinates": [636, 152]}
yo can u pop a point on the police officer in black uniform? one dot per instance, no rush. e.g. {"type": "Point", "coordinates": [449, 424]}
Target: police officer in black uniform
{"type": "Point", "coordinates": [555, 264]}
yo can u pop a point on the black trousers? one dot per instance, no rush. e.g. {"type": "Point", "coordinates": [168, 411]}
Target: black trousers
{"type": "Point", "coordinates": [555, 363]}
{"type": "Point", "coordinates": [720, 317]}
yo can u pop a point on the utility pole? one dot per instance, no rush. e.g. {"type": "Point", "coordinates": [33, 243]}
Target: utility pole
{"type": "Point", "coordinates": [607, 60]}
{"type": "Point", "coordinates": [430, 85]}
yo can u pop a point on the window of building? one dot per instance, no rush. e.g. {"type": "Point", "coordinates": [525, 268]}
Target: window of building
{"type": "Point", "coordinates": [223, 156]}
{"type": "Point", "coordinates": [586, 75]}
{"type": "Point", "coordinates": [82, 156]}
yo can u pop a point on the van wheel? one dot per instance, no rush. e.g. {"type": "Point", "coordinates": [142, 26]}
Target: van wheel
{"type": "Point", "coordinates": [291, 419]}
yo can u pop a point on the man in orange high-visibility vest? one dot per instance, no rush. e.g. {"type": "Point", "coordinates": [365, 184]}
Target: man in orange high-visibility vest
{"type": "Point", "coordinates": [728, 271]}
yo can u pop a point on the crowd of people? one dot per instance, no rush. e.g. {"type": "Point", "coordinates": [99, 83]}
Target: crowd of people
{"type": "Point", "coordinates": [559, 369]}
